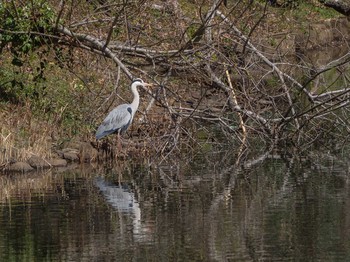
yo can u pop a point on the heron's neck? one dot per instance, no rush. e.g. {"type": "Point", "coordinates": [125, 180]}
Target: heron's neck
{"type": "Point", "coordinates": [136, 101]}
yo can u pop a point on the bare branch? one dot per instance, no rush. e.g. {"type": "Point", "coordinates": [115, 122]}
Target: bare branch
{"type": "Point", "coordinates": [61, 7]}
{"type": "Point", "coordinates": [94, 43]}
{"type": "Point", "coordinates": [236, 107]}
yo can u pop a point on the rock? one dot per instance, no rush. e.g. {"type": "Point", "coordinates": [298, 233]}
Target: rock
{"type": "Point", "coordinates": [58, 162]}
{"type": "Point", "coordinates": [74, 151]}
{"type": "Point", "coordinates": [19, 167]}
{"type": "Point", "coordinates": [59, 153]}
{"type": "Point", "coordinates": [70, 150]}
{"type": "Point", "coordinates": [71, 156]}
{"type": "Point", "coordinates": [81, 151]}
{"type": "Point", "coordinates": [38, 162]}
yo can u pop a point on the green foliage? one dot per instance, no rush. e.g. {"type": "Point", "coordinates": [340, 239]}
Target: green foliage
{"type": "Point", "coordinates": [24, 25]}
{"type": "Point", "coordinates": [192, 30]}
{"type": "Point", "coordinates": [307, 10]}
{"type": "Point", "coordinates": [27, 81]}
{"type": "Point", "coordinates": [51, 96]}
{"type": "Point", "coordinates": [11, 85]}
{"type": "Point", "coordinates": [289, 4]}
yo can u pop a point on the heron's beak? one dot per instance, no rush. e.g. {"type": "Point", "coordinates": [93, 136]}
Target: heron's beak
{"type": "Point", "coordinates": [147, 85]}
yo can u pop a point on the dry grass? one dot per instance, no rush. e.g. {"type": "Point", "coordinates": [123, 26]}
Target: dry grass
{"type": "Point", "coordinates": [21, 136]}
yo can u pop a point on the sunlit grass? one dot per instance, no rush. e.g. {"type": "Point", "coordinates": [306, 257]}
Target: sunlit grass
{"type": "Point", "coordinates": [21, 136]}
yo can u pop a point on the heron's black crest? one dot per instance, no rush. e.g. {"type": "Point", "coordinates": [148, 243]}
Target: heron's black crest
{"type": "Point", "coordinates": [137, 80]}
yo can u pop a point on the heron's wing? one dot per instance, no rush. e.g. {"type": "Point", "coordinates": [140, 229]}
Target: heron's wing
{"type": "Point", "coordinates": [118, 119]}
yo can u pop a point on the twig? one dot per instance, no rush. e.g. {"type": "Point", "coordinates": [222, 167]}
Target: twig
{"type": "Point", "coordinates": [241, 122]}
{"type": "Point", "coordinates": [61, 6]}
{"type": "Point", "coordinates": [236, 107]}
{"type": "Point", "coordinates": [268, 62]}
{"type": "Point", "coordinates": [111, 31]}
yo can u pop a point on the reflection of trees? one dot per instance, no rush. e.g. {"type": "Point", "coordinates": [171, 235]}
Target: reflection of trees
{"type": "Point", "coordinates": [280, 209]}
{"type": "Point", "coordinates": [57, 217]}
{"type": "Point", "coordinates": [269, 207]}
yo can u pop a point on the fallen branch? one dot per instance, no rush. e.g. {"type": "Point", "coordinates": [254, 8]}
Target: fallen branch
{"type": "Point", "coordinates": [94, 43]}
{"type": "Point", "coordinates": [279, 73]}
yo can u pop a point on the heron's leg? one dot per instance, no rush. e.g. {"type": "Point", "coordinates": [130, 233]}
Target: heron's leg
{"type": "Point", "coordinates": [120, 150]}
{"type": "Point", "coordinates": [119, 144]}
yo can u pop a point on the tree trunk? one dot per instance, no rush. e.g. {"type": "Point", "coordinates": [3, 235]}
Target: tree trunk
{"type": "Point", "coordinates": [342, 6]}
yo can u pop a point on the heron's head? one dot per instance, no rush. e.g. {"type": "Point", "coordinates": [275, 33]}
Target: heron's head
{"type": "Point", "coordinates": [139, 82]}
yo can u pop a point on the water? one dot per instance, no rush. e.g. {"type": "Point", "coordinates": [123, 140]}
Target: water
{"type": "Point", "coordinates": [206, 209]}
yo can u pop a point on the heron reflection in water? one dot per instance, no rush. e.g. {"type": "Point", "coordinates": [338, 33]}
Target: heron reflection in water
{"type": "Point", "coordinates": [123, 200]}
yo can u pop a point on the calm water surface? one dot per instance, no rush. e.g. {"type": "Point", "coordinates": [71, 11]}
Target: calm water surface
{"type": "Point", "coordinates": [206, 209]}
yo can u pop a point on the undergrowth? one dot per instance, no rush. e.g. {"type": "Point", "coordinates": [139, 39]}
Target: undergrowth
{"type": "Point", "coordinates": [51, 94]}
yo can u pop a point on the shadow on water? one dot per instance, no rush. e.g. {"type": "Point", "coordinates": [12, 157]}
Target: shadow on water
{"type": "Point", "coordinates": [271, 208]}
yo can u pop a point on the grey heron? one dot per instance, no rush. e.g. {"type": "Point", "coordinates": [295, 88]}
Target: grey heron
{"type": "Point", "coordinates": [120, 118]}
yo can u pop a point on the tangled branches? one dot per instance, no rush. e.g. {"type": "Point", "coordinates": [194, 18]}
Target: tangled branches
{"type": "Point", "coordinates": [228, 78]}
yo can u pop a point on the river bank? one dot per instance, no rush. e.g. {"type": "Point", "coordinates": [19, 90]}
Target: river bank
{"type": "Point", "coordinates": [83, 152]}
{"type": "Point", "coordinates": [51, 121]}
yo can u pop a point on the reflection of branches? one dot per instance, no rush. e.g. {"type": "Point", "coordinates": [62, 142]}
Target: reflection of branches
{"type": "Point", "coordinates": [256, 207]}
{"type": "Point", "coordinates": [233, 172]}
